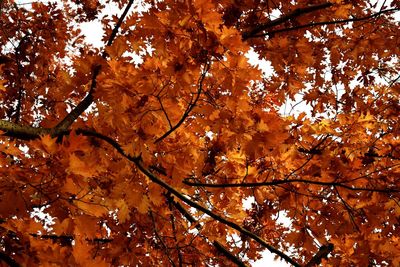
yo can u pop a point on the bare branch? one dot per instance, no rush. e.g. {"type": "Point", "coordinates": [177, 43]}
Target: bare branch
{"type": "Point", "coordinates": [165, 112]}
{"type": "Point", "coordinates": [172, 218]}
{"type": "Point", "coordinates": [118, 25]}
{"type": "Point", "coordinates": [166, 252]}
{"type": "Point", "coordinates": [349, 210]}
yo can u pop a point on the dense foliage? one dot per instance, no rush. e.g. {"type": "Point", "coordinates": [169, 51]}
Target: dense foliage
{"type": "Point", "coordinates": [143, 151]}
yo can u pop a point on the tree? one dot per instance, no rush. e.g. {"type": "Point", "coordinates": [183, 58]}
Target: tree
{"type": "Point", "coordinates": [149, 162]}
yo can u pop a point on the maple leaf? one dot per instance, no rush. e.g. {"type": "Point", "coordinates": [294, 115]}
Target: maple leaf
{"type": "Point", "coordinates": [80, 167]}
{"type": "Point", "coordinates": [143, 205]}
{"type": "Point", "coordinates": [144, 147]}
{"type": "Point", "coordinates": [123, 210]}
{"type": "Point", "coordinates": [49, 143]}
{"type": "Point", "coordinates": [2, 87]}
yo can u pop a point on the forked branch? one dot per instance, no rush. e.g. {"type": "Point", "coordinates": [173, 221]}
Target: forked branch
{"type": "Point", "coordinates": [193, 221]}
{"type": "Point", "coordinates": [190, 107]}
{"type": "Point", "coordinates": [88, 100]}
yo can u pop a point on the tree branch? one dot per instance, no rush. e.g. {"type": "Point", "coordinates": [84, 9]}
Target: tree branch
{"type": "Point", "coordinates": [189, 181]}
{"type": "Point", "coordinates": [321, 23]}
{"type": "Point", "coordinates": [294, 14]}
{"type": "Point", "coordinates": [192, 220]}
{"type": "Point", "coordinates": [228, 254]}
{"type": "Point", "coordinates": [139, 164]}
{"type": "Point", "coordinates": [161, 240]}
{"type": "Point", "coordinates": [322, 253]}
{"type": "Point", "coordinates": [87, 101]}
{"type": "Point", "coordinates": [22, 132]}
{"type": "Point", "coordinates": [67, 239]}
{"type": "Point", "coordinates": [172, 218]}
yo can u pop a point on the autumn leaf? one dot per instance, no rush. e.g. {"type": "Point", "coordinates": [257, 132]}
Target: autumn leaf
{"type": "Point", "coordinates": [199, 132]}
{"type": "Point", "coordinates": [2, 87]}
{"type": "Point", "coordinates": [123, 210]}
{"type": "Point", "coordinates": [80, 167]}
{"type": "Point", "coordinates": [49, 143]}
{"type": "Point", "coordinates": [144, 205]}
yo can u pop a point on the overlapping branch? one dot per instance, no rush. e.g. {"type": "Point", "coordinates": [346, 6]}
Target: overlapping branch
{"type": "Point", "coordinates": [193, 221]}
{"type": "Point", "coordinates": [154, 178]}
{"type": "Point", "coordinates": [228, 254]}
{"type": "Point", "coordinates": [189, 108]}
{"type": "Point", "coordinates": [322, 23]}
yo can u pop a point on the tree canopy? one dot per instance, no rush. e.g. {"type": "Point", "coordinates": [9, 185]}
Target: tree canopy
{"type": "Point", "coordinates": [144, 150]}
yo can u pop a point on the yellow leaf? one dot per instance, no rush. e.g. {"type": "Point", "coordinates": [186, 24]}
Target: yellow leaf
{"type": "Point", "coordinates": [184, 20]}
{"type": "Point", "coordinates": [366, 117]}
{"type": "Point", "coordinates": [144, 205]}
{"type": "Point", "coordinates": [93, 209]}
{"type": "Point", "coordinates": [155, 194]}
{"type": "Point", "coordinates": [123, 210]}
{"type": "Point", "coordinates": [343, 11]}
{"type": "Point", "coordinates": [262, 126]}
{"type": "Point", "coordinates": [214, 115]}
{"type": "Point", "coordinates": [77, 166]}
{"type": "Point", "coordinates": [2, 88]}
{"type": "Point", "coordinates": [49, 143]}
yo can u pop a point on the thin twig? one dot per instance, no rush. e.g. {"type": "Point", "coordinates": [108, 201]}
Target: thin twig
{"type": "Point", "coordinates": [161, 241]}
{"type": "Point", "coordinates": [172, 218]}
{"type": "Point", "coordinates": [189, 108]}
{"type": "Point", "coordinates": [87, 101]}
